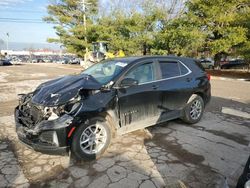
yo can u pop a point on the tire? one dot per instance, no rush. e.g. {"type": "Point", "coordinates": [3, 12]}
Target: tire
{"type": "Point", "coordinates": [195, 102]}
{"type": "Point", "coordinates": [86, 134]}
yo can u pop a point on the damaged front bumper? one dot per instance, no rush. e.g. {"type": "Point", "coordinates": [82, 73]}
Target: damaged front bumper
{"type": "Point", "coordinates": [48, 136]}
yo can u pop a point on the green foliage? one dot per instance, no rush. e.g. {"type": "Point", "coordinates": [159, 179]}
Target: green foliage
{"type": "Point", "coordinates": [216, 20]}
{"type": "Point", "coordinates": [155, 27]}
{"type": "Point", "coordinates": [126, 28]}
{"type": "Point", "coordinates": [67, 16]}
{"type": "Point", "coordinates": [132, 31]}
{"type": "Point", "coordinates": [180, 38]}
{"type": "Point", "coordinates": [243, 49]}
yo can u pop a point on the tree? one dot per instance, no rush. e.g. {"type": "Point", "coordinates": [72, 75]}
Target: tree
{"type": "Point", "coordinates": [158, 27]}
{"type": "Point", "coordinates": [243, 49]}
{"type": "Point", "coordinates": [205, 25]}
{"type": "Point", "coordinates": [129, 25]}
{"type": "Point", "coordinates": [179, 37]}
{"type": "Point", "coordinates": [134, 25]}
{"type": "Point", "coordinates": [215, 19]}
{"type": "Point", "coordinates": [67, 16]}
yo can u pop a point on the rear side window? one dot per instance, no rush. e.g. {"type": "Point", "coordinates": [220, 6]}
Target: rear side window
{"type": "Point", "coordinates": [172, 69]}
{"type": "Point", "coordinates": [169, 69]}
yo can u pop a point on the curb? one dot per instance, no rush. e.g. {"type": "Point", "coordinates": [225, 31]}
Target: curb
{"type": "Point", "coordinates": [229, 79]}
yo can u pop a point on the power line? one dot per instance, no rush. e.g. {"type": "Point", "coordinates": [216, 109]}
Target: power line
{"type": "Point", "coordinates": [21, 11]}
{"type": "Point", "coordinates": [13, 21]}
{"type": "Point", "coordinates": [20, 19]}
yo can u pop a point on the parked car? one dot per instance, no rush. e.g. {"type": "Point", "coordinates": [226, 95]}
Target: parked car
{"type": "Point", "coordinates": [244, 180]}
{"type": "Point", "coordinates": [83, 112]}
{"type": "Point", "coordinates": [207, 64]}
{"type": "Point", "coordinates": [75, 61]}
{"type": "Point", "coordinates": [234, 64]}
{"type": "Point", "coordinates": [40, 60]}
{"type": "Point", "coordinates": [5, 62]}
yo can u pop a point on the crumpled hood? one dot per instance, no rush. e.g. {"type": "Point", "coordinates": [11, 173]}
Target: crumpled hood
{"type": "Point", "coordinates": [61, 90]}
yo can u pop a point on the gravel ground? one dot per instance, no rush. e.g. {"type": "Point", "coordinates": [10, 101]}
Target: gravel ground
{"type": "Point", "coordinates": [172, 154]}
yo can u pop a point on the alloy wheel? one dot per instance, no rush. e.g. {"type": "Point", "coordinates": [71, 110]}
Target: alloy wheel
{"type": "Point", "coordinates": [93, 138]}
{"type": "Point", "coordinates": [196, 109]}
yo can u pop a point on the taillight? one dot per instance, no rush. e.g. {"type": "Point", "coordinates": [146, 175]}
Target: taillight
{"type": "Point", "coordinates": [208, 76]}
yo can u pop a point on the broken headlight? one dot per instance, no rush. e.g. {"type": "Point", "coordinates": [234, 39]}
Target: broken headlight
{"type": "Point", "coordinates": [51, 113]}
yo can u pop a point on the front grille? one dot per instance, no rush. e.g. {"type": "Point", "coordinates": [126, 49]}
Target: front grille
{"type": "Point", "coordinates": [30, 114]}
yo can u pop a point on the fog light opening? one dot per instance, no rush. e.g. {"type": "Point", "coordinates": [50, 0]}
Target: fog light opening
{"type": "Point", "coordinates": [55, 139]}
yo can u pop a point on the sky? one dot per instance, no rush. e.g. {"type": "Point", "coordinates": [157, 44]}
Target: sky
{"type": "Point", "coordinates": [14, 15]}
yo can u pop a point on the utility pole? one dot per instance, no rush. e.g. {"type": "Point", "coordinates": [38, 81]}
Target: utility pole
{"type": "Point", "coordinates": [7, 41]}
{"type": "Point", "coordinates": [85, 30]}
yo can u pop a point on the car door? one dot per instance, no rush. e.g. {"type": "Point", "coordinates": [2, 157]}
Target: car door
{"type": "Point", "coordinates": [138, 105]}
{"type": "Point", "coordinates": [175, 87]}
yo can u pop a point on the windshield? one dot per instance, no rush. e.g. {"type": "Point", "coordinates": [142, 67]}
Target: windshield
{"type": "Point", "coordinates": [106, 70]}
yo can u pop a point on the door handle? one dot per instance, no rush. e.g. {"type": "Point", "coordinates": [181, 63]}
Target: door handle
{"type": "Point", "coordinates": [155, 87]}
{"type": "Point", "coordinates": [188, 79]}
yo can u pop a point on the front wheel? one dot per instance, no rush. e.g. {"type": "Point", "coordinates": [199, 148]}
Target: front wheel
{"type": "Point", "coordinates": [193, 110]}
{"type": "Point", "coordinates": [91, 140]}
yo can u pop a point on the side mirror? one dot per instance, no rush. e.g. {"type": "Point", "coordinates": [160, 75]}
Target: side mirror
{"type": "Point", "coordinates": [128, 82]}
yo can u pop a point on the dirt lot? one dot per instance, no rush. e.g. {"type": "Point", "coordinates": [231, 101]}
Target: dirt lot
{"type": "Point", "coordinates": [166, 155]}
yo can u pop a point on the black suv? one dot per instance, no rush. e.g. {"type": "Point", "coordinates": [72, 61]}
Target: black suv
{"type": "Point", "coordinates": [83, 112]}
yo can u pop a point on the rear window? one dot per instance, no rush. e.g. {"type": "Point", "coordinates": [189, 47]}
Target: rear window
{"type": "Point", "coordinates": [172, 69]}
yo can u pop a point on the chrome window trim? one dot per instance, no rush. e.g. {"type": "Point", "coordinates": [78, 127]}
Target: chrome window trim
{"type": "Point", "coordinates": [189, 72]}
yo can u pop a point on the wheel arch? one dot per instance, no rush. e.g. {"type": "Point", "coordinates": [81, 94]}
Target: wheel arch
{"type": "Point", "coordinates": [112, 120]}
{"type": "Point", "coordinates": [109, 116]}
{"type": "Point", "coordinates": [201, 95]}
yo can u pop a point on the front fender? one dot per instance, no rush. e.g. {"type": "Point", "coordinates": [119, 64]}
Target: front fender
{"type": "Point", "coordinates": [100, 104]}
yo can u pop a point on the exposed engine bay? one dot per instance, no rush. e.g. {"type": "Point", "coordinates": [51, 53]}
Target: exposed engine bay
{"type": "Point", "coordinates": [32, 113]}
{"type": "Point", "coordinates": [55, 98]}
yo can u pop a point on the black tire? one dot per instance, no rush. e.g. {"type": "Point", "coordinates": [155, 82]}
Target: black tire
{"type": "Point", "coordinates": [76, 148]}
{"type": "Point", "coordinates": [188, 116]}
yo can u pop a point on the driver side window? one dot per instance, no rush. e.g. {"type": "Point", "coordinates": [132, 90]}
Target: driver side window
{"type": "Point", "coordinates": [143, 73]}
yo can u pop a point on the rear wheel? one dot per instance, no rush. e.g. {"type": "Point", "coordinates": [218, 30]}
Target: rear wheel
{"type": "Point", "coordinates": [91, 140]}
{"type": "Point", "coordinates": [193, 110]}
